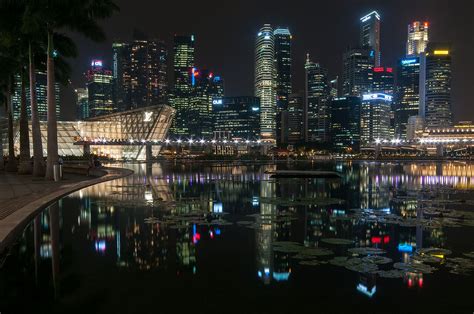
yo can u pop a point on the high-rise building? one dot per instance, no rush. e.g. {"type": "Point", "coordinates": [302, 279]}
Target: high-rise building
{"type": "Point", "coordinates": [41, 97]}
{"type": "Point", "coordinates": [357, 72]}
{"type": "Point", "coordinates": [184, 81]}
{"type": "Point", "coordinates": [375, 118]}
{"type": "Point", "coordinates": [383, 80]}
{"type": "Point", "coordinates": [283, 60]}
{"type": "Point", "coordinates": [407, 97]}
{"type": "Point", "coordinates": [296, 104]}
{"type": "Point", "coordinates": [417, 38]}
{"type": "Point", "coordinates": [370, 35]}
{"type": "Point", "coordinates": [438, 86]}
{"type": "Point", "coordinates": [334, 84]}
{"type": "Point", "coordinates": [100, 89]}
{"type": "Point", "coordinates": [345, 123]}
{"type": "Point", "coordinates": [140, 73]}
{"type": "Point", "coordinates": [240, 116]}
{"type": "Point", "coordinates": [317, 105]}
{"type": "Point", "coordinates": [265, 81]}
{"type": "Point", "coordinates": [82, 103]}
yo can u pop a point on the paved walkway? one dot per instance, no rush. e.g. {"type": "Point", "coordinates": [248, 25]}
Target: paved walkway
{"type": "Point", "coordinates": [22, 196]}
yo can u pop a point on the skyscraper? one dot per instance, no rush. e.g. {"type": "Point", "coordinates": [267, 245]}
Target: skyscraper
{"type": "Point", "coordinates": [41, 97]}
{"type": "Point", "coordinates": [375, 118]}
{"type": "Point", "coordinates": [383, 80]}
{"type": "Point", "coordinates": [407, 96]}
{"type": "Point", "coordinates": [357, 72]}
{"type": "Point", "coordinates": [296, 104]}
{"type": "Point", "coordinates": [100, 89]}
{"type": "Point", "coordinates": [283, 80]}
{"type": "Point", "coordinates": [82, 103]}
{"type": "Point", "coordinates": [345, 123]}
{"type": "Point", "coordinates": [417, 38]}
{"type": "Point", "coordinates": [184, 80]}
{"type": "Point", "coordinates": [370, 35]}
{"type": "Point", "coordinates": [317, 102]}
{"type": "Point", "coordinates": [265, 83]}
{"type": "Point", "coordinates": [140, 73]}
{"type": "Point", "coordinates": [438, 86]}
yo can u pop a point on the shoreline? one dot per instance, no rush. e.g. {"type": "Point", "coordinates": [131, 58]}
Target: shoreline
{"type": "Point", "coordinates": [13, 225]}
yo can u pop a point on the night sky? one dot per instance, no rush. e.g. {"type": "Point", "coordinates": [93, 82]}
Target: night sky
{"type": "Point", "coordinates": [225, 36]}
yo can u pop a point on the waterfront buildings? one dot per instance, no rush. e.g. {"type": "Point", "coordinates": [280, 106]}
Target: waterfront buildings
{"type": "Point", "coordinates": [317, 104]}
{"type": "Point", "coordinates": [240, 116]}
{"type": "Point", "coordinates": [357, 72]}
{"type": "Point", "coordinates": [265, 83]}
{"type": "Point", "coordinates": [417, 38]}
{"type": "Point", "coordinates": [375, 118]}
{"type": "Point", "coordinates": [438, 86]}
{"type": "Point", "coordinates": [370, 35]}
{"type": "Point", "coordinates": [100, 90]}
{"type": "Point", "coordinates": [82, 103]}
{"type": "Point", "coordinates": [296, 122]}
{"type": "Point", "coordinates": [345, 123]}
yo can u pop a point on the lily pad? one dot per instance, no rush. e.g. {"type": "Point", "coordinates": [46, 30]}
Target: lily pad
{"type": "Point", "coordinates": [337, 241]}
{"type": "Point", "coordinates": [366, 251]}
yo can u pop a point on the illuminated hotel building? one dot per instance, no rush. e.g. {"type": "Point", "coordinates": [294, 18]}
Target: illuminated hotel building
{"type": "Point", "coordinates": [438, 86]}
{"type": "Point", "coordinates": [407, 102]}
{"type": "Point", "coordinates": [357, 72]}
{"type": "Point", "coordinates": [417, 38]}
{"type": "Point", "coordinates": [345, 123]}
{"type": "Point", "coordinates": [375, 118]}
{"type": "Point", "coordinates": [41, 97]}
{"type": "Point", "coordinates": [317, 106]}
{"type": "Point", "coordinates": [283, 60]}
{"type": "Point", "coordinates": [100, 90]}
{"type": "Point", "coordinates": [265, 83]}
{"type": "Point", "coordinates": [140, 73]}
{"type": "Point", "coordinates": [370, 35]}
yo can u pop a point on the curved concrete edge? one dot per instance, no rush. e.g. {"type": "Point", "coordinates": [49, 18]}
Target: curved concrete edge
{"type": "Point", "coordinates": [12, 226]}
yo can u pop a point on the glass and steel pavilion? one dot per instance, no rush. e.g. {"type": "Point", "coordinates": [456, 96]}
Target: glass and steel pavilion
{"type": "Point", "coordinates": [150, 124]}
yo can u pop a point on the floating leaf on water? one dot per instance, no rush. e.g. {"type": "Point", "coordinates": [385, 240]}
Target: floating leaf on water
{"type": "Point", "coordinates": [393, 273]}
{"type": "Point", "coordinates": [313, 252]}
{"type": "Point", "coordinates": [415, 267]}
{"type": "Point", "coordinates": [245, 222]}
{"type": "Point", "coordinates": [337, 241]}
{"type": "Point", "coordinates": [312, 263]}
{"type": "Point", "coordinates": [356, 264]}
{"type": "Point", "coordinates": [338, 261]}
{"type": "Point", "coordinates": [470, 254]}
{"type": "Point", "coordinates": [434, 251]}
{"type": "Point", "coordinates": [378, 260]}
{"type": "Point", "coordinates": [366, 251]}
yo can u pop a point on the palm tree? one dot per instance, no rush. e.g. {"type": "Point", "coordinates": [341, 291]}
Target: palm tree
{"type": "Point", "coordinates": [80, 16]}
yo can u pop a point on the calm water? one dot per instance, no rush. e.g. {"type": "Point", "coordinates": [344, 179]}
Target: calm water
{"type": "Point", "coordinates": [210, 238]}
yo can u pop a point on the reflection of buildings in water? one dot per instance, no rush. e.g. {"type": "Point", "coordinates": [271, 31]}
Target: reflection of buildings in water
{"type": "Point", "coordinates": [186, 248]}
{"type": "Point", "coordinates": [374, 191]}
{"type": "Point", "coordinates": [367, 284]}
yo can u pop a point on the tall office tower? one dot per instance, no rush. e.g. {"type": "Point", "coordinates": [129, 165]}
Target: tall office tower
{"type": "Point", "coordinates": [357, 72]}
{"type": "Point", "coordinates": [334, 84]}
{"type": "Point", "coordinates": [240, 116]}
{"type": "Point", "coordinates": [100, 90]}
{"type": "Point", "coordinates": [82, 103]}
{"type": "Point", "coordinates": [140, 73]}
{"type": "Point", "coordinates": [383, 82]}
{"type": "Point", "coordinates": [375, 118]}
{"type": "Point", "coordinates": [205, 88]}
{"type": "Point", "coordinates": [345, 123]}
{"type": "Point", "coordinates": [438, 86]}
{"type": "Point", "coordinates": [417, 38]}
{"type": "Point", "coordinates": [407, 96]}
{"type": "Point", "coordinates": [317, 102]}
{"type": "Point", "coordinates": [283, 80]}
{"type": "Point", "coordinates": [183, 65]}
{"type": "Point", "coordinates": [370, 35]}
{"type": "Point", "coordinates": [265, 83]}
{"type": "Point", "coordinates": [41, 97]}
{"type": "Point", "coordinates": [296, 104]}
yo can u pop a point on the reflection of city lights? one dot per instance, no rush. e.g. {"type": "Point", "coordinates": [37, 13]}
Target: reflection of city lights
{"type": "Point", "coordinates": [405, 247]}
{"type": "Point", "coordinates": [149, 196]}
{"type": "Point", "coordinates": [100, 246]}
{"type": "Point", "coordinates": [217, 207]}
{"type": "Point", "coordinates": [281, 276]}
{"type": "Point", "coordinates": [363, 289]}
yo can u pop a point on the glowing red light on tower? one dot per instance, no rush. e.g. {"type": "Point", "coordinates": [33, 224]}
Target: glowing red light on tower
{"type": "Point", "coordinates": [379, 69]}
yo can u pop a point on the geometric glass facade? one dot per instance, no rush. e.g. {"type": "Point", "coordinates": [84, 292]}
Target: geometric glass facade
{"type": "Point", "coordinates": [370, 35]}
{"type": "Point", "coordinates": [357, 72]}
{"type": "Point", "coordinates": [375, 118]}
{"type": "Point", "coordinates": [345, 123]}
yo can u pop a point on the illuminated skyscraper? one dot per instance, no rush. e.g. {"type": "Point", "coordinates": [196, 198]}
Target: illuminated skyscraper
{"type": "Point", "coordinates": [82, 102]}
{"type": "Point", "coordinates": [41, 97]}
{"type": "Point", "coordinates": [383, 82]}
{"type": "Point", "coordinates": [140, 73]}
{"type": "Point", "coordinates": [438, 86]}
{"type": "Point", "coordinates": [345, 123]}
{"type": "Point", "coordinates": [407, 97]}
{"type": "Point", "coordinates": [296, 104]}
{"type": "Point", "coordinates": [317, 118]}
{"type": "Point", "coordinates": [370, 35]}
{"type": "Point", "coordinates": [357, 72]}
{"type": "Point", "coordinates": [100, 90]}
{"type": "Point", "coordinates": [265, 82]}
{"type": "Point", "coordinates": [283, 79]}
{"type": "Point", "coordinates": [417, 38]}
{"type": "Point", "coordinates": [375, 118]}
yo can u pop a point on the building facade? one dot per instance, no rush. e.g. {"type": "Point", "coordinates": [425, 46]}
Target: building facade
{"type": "Point", "coordinates": [345, 123]}
{"type": "Point", "coordinates": [317, 104]}
{"type": "Point", "coordinates": [82, 103]}
{"type": "Point", "coordinates": [375, 118]}
{"type": "Point", "coordinates": [99, 82]}
{"type": "Point", "coordinates": [265, 81]}
{"type": "Point", "coordinates": [417, 38]}
{"type": "Point", "coordinates": [296, 113]}
{"type": "Point", "coordinates": [370, 35]}
{"type": "Point", "coordinates": [357, 72]}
